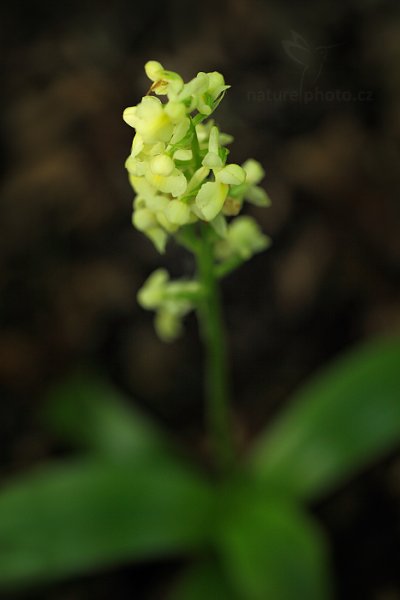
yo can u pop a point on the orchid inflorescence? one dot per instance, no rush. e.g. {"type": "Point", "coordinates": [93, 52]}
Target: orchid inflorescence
{"type": "Point", "coordinates": [178, 168]}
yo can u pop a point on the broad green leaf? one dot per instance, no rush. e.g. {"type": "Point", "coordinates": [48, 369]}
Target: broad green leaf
{"type": "Point", "coordinates": [68, 518]}
{"type": "Point", "coordinates": [203, 580]}
{"type": "Point", "coordinates": [348, 416]}
{"type": "Point", "coordinates": [89, 412]}
{"type": "Point", "coordinates": [272, 551]}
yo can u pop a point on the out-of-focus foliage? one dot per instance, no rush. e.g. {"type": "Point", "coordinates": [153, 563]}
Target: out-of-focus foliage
{"type": "Point", "coordinates": [130, 498]}
{"type": "Point", "coordinates": [91, 415]}
{"type": "Point", "coordinates": [204, 580]}
{"type": "Point", "coordinates": [345, 418]}
{"type": "Point", "coordinates": [270, 549]}
{"type": "Point", "coordinates": [138, 500]}
{"type": "Point", "coordinates": [69, 518]}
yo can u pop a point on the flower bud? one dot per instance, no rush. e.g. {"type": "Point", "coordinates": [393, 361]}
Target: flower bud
{"type": "Point", "coordinates": [143, 219]}
{"type": "Point", "coordinates": [254, 171]}
{"type": "Point", "coordinates": [153, 69]}
{"type": "Point", "coordinates": [152, 293]}
{"type": "Point", "coordinates": [162, 165]}
{"type": "Point", "coordinates": [178, 212]}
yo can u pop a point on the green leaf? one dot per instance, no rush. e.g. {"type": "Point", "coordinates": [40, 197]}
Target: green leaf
{"type": "Point", "coordinates": [68, 518]}
{"type": "Point", "coordinates": [90, 413]}
{"type": "Point", "coordinates": [271, 550]}
{"type": "Point", "coordinates": [203, 580]}
{"type": "Point", "coordinates": [344, 419]}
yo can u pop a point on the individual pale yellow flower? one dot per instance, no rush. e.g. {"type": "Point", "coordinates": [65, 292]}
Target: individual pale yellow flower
{"type": "Point", "coordinates": [244, 238]}
{"type": "Point", "coordinates": [210, 199]}
{"type": "Point", "coordinates": [252, 192]}
{"type": "Point", "coordinates": [204, 91]}
{"type": "Point", "coordinates": [150, 120]}
{"type": "Point", "coordinates": [171, 300]}
{"type": "Point", "coordinates": [164, 82]}
{"type": "Point", "coordinates": [164, 176]}
{"type": "Point", "coordinates": [230, 174]}
{"type": "Point", "coordinates": [151, 294]}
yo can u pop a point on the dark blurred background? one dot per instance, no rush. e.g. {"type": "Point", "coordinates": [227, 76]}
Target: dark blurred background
{"type": "Point", "coordinates": [315, 98]}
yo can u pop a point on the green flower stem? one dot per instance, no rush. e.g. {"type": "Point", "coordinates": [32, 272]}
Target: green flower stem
{"type": "Point", "coordinates": [195, 148]}
{"type": "Point", "coordinates": [216, 375]}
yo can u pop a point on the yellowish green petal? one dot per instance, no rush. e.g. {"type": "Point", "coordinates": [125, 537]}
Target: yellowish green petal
{"type": "Point", "coordinates": [183, 155]}
{"type": "Point", "coordinates": [213, 142]}
{"type": "Point", "coordinates": [257, 196]}
{"type": "Point", "coordinates": [144, 219]}
{"type": "Point", "coordinates": [151, 294]}
{"type": "Point", "coordinates": [180, 130]}
{"type": "Point", "coordinates": [135, 167]}
{"type": "Point", "coordinates": [244, 238]}
{"type": "Point", "coordinates": [168, 325]}
{"type": "Point", "coordinates": [210, 199]}
{"type": "Point", "coordinates": [159, 238]}
{"type": "Point", "coordinates": [254, 171]}
{"type": "Point", "coordinates": [198, 177]}
{"type": "Point", "coordinates": [212, 161]}
{"type": "Point", "coordinates": [178, 212]}
{"type": "Point", "coordinates": [174, 184]}
{"type": "Point", "coordinates": [232, 175]}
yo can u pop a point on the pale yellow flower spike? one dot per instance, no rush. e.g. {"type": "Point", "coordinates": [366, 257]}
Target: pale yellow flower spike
{"type": "Point", "coordinates": [179, 171]}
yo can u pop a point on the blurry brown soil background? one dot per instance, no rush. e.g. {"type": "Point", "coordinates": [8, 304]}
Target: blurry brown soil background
{"type": "Point", "coordinates": [71, 263]}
